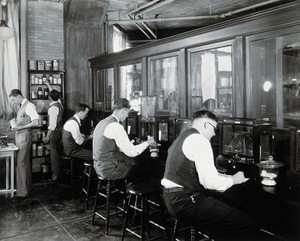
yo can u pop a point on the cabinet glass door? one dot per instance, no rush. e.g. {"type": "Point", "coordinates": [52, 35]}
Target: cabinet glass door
{"type": "Point", "coordinates": [104, 89]}
{"type": "Point", "coordinates": [275, 75]}
{"type": "Point", "coordinates": [131, 85]}
{"type": "Point", "coordinates": [210, 78]}
{"type": "Point", "coordinates": [163, 84]}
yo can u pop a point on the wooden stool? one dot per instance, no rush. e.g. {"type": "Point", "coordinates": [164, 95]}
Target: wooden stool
{"type": "Point", "coordinates": [178, 228]}
{"type": "Point", "coordinates": [138, 201]}
{"type": "Point", "coordinates": [106, 188]}
{"type": "Point", "coordinates": [86, 191]}
{"type": "Point", "coordinates": [67, 170]}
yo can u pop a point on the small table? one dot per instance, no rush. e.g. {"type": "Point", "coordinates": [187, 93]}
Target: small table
{"type": "Point", "coordinates": [9, 152]}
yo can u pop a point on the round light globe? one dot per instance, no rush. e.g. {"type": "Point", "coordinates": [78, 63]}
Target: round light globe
{"type": "Point", "coordinates": [267, 86]}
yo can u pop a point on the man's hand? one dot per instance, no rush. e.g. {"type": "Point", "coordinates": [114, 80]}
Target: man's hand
{"type": "Point", "coordinates": [46, 82]}
{"type": "Point", "coordinates": [46, 139]}
{"type": "Point", "coordinates": [150, 140]}
{"type": "Point", "coordinates": [238, 178]}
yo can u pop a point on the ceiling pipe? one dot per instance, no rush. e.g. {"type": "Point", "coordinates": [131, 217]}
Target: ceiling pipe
{"type": "Point", "coordinates": [142, 30]}
{"type": "Point", "coordinates": [162, 3]}
{"type": "Point", "coordinates": [230, 13]}
{"type": "Point", "coordinates": [149, 30]}
{"type": "Point", "coordinates": [143, 6]}
{"type": "Point", "coordinates": [111, 22]}
{"type": "Point", "coordinates": [139, 27]}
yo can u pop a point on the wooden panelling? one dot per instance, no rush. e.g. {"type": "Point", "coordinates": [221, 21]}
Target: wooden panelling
{"type": "Point", "coordinates": [84, 39]}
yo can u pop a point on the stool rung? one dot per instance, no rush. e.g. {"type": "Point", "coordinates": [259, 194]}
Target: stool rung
{"type": "Point", "coordinates": [157, 225]}
{"type": "Point", "coordinates": [136, 208]}
{"type": "Point", "coordinates": [154, 203]}
{"type": "Point", "coordinates": [134, 233]}
{"type": "Point", "coordinates": [110, 214]}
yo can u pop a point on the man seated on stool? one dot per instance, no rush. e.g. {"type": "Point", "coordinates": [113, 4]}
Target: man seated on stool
{"type": "Point", "coordinates": [189, 175]}
{"type": "Point", "coordinates": [113, 153]}
{"type": "Point", "coordinates": [72, 137]}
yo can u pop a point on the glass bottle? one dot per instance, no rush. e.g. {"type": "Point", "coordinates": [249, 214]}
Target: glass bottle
{"type": "Point", "coordinates": [51, 79]}
{"type": "Point", "coordinates": [40, 93]}
{"type": "Point", "coordinates": [44, 78]}
{"type": "Point", "coordinates": [46, 93]}
{"type": "Point", "coordinates": [45, 121]}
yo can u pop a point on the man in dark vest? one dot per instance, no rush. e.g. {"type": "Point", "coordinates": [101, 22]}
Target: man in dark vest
{"type": "Point", "coordinates": [73, 139]}
{"type": "Point", "coordinates": [54, 134]}
{"type": "Point", "coordinates": [113, 153]}
{"type": "Point", "coordinates": [190, 174]}
{"type": "Point", "coordinates": [27, 118]}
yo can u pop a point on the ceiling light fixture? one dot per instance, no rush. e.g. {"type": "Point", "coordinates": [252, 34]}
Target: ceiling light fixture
{"type": "Point", "coordinates": [5, 31]}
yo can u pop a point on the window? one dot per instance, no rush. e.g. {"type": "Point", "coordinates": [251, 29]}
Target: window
{"type": "Point", "coordinates": [118, 40]}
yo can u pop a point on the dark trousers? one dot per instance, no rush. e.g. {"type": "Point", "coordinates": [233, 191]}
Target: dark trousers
{"type": "Point", "coordinates": [82, 153]}
{"type": "Point", "coordinates": [55, 151]}
{"type": "Point", "coordinates": [205, 212]}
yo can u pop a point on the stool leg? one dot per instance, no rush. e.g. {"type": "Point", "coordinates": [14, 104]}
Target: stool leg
{"type": "Point", "coordinates": [193, 234]}
{"type": "Point", "coordinates": [165, 223]}
{"type": "Point", "coordinates": [83, 182]}
{"type": "Point", "coordinates": [96, 201]}
{"type": "Point", "coordinates": [72, 176]}
{"type": "Point", "coordinates": [127, 215]}
{"type": "Point", "coordinates": [175, 230]}
{"type": "Point", "coordinates": [107, 205]}
{"type": "Point", "coordinates": [89, 173]}
{"type": "Point", "coordinates": [143, 217]}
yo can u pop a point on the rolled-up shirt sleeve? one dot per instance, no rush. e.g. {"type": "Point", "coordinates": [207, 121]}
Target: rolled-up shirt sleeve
{"type": "Point", "coordinates": [198, 149]}
{"type": "Point", "coordinates": [117, 132]}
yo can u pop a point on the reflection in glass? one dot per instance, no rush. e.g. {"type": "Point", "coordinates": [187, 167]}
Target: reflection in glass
{"type": "Point", "coordinates": [163, 84]}
{"type": "Point", "coordinates": [276, 61]}
{"type": "Point", "coordinates": [131, 84]}
{"type": "Point", "coordinates": [104, 89]}
{"type": "Point", "coordinates": [238, 140]}
{"type": "Point", "coordinates": [163, 134]}
{"type": "Point", "coordinates": [211, 80]}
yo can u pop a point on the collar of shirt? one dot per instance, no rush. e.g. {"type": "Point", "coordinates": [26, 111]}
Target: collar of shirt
{"type": "Point", "coordinates": [116, 117]}
{"type": "Point", "coordinates": [23, 101]}
{"type": "Point", "coordinates": [57, 101]}
{"type": "Point", "coordinates": [78, 119]}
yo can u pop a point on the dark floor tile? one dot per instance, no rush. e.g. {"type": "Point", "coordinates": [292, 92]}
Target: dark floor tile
{"type": "Point", "coordinates": [83, 230]}
{"type": "Point", "coordinates": [54, 233]}
{"type": "Point", "coordinates": [67, 210]}
{"type": "Point", "coordinates": [27, 216]}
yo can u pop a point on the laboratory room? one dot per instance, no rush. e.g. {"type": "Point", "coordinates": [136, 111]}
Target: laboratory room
{"type": "Point", "coordinates": [150, 120]}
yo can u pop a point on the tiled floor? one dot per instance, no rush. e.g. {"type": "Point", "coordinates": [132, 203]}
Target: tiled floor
{"type": "Point", "coordinates": [52, 214]}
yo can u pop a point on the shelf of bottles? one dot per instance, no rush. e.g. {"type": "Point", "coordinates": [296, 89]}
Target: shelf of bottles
{"type": "Point", "coordinates": [38, 89]}
{"type": "Point", "coordinates": [39, 72]}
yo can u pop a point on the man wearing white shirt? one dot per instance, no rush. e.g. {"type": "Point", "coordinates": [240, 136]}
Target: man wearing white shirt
{"type": "Point", "coordinates": [27, 118]}
{"type": "Point", "coordinates": [113, 153]}
{"type": "Point", "coordinates": [72, 137]}
{"type": "Point", "coordinates": [189, 175]}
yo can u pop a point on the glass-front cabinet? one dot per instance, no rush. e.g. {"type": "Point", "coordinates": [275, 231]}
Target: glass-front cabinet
{"type": "Point", "coordinates": [275, 78]}
{"type": "Point", "coordinates": [163, 84]}
{"type": "Point", "coordinates": [210, 75]}
{"type": "Point", "coordinates": [131, 84]}
{"type": "Point", "coordinates": [104, 89]}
